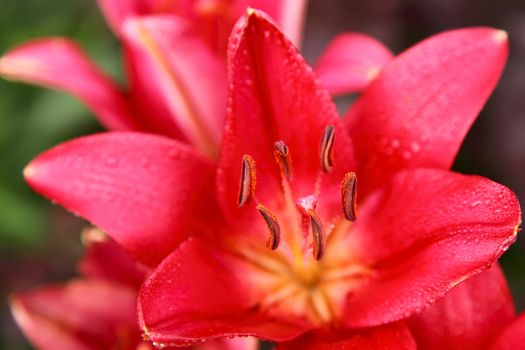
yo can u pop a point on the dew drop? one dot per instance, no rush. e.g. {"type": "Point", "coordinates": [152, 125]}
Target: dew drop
{"type": "Point", "coordinates": [415, 147]}
{"type": "Point", "coordinates": [475, 204]}
{"type": "Point", "coordinates": [407, 155]}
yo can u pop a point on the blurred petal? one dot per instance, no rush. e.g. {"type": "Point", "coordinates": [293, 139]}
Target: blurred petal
{"type": "Point", "coordinates": [418, 110]}
{"type": "Point", "coordinates": [81, 315]}
{"type": "Point", "coordinates": [144, 191]}
{"type": "Point", "coordinates": [391, 336]}
{"type": "Point", "coordinates": [274, 96]}
{"type": "Point", "coordinates": [212, 19]}
{"type": "Point", "coordinates": [512, 337]}
{"type": "Point", "coordinates": [424, 233]}
{"type": "Point", "coordinates": [106, 259]}
{"type": "Point", "coordinates": [117, 11]}
{"type": "Point", "coordinates": [288, 14]}
{"type": "Point", "coordinates": [195, 294]}
{"type": "Point", "coordinates": [175, 73]}
{"type": "Point", "coordinates": [59, 63]}
{"type": "Point", "coordinates": [351, 62]}
{"type": "Point", "coordinates": [468, 316]}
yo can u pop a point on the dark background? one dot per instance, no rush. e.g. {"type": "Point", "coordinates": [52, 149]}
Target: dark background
{"type": "Point", "coordinates": [40, 243]}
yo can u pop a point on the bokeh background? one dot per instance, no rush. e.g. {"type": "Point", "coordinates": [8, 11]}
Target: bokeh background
{"type": "Point", "coordinates": [40, 243]}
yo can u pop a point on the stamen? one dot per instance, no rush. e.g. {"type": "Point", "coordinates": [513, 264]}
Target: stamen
{"type": "Point", "coordinates": [283, 158]}
{"type": "Point", "coordinates": [326, 153]}
{"type": "Point", "coordinates": [273, 227]}
{"type": "Point", "coordinates": [248, 179]}
{"type": "Point", "coordinates": [349, 196]}
{"type": "Point", "coordinates": [318, 235]}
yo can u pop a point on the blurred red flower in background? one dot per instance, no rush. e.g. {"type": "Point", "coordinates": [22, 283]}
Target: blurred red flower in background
{"type": "Point", "coordinates": [98, 310]}
{"type": "Point", "coordinates": [174, 53]}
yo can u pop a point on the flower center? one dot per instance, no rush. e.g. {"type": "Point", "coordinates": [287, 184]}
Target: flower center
{"type": "Point", "coordinates": [308, 270]}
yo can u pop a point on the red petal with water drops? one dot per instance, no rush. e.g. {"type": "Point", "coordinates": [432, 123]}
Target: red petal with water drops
{"type": "Point", "coordinates": [351, 62]}
{"type": "Point", "coordinates": [392, 336]}
{"type": "Point", "coordinates": [468, 316]}
{"type": "Point", "coordinates": [147, 192]}
{"type": "Point", "coordinates": [512, 337]}
{"type": "Point", "coordinates": [274, 96]}
{"type": "Point", "coordinates": [424, 233]}
{"type": "Point", "coordinates": [197, 294]}
{"type": "Point", "coordinates": [419, 108]}
{"type": "Point", "coordinates": [173, 71]}
{"type": "Point", "coordinates": [59, 63]}
{"type": "Point", "coordinates": [81, 315]}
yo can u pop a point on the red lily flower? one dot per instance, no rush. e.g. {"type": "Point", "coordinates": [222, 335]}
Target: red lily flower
{"type": "Point", "coordinates": [419, 231]}
{"type": "Point", "coordinates": [98, 311]}
{"type": "Point", "coordinates": [174, 55]}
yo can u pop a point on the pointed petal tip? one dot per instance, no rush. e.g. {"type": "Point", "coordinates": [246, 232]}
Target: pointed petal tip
{"type": "Point", "coordinates": [501, 36]}
{"type": "Point", "coordinates": [18, 310]}
{"type": "Point", "coordinates": [29, 171]}
{"type": "Point", "coordinates": [250, 11]}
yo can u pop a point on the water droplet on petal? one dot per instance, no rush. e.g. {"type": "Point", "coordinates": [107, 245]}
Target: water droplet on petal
{"type": "Point", "coordinates": [415, 147]}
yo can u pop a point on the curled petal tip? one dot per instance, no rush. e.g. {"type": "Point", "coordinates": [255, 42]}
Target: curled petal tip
{"type": "Point", "coordinates": [501, 36]}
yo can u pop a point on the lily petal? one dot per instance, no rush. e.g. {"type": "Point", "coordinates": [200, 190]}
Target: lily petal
{"type": "Point", "coordinates": [391, 336]}
{"type": "Point", "coordinates": [467, 317]}
{"type": "Point", "coordinates": [418, 110]}
{"type": "Point", "coordinates": [193, 295]}
{"type": "Point", "coordinates": [142, 190]}
{"type": "Point", "coordinates": [118, 11]}
{"type": "Point", "coordinates": [423, 234]}
{"type": "Point", "coordinates": [81, 315]}
{"type": "Point", "coordinates": [512, 337]}
{"type": "Point", "coordinates": [275, 96]}
{"type": "Point", "coordinates": [176, 74]}
{"type": "Point", "coordinates": [59, 63]}
{"type": "Point", "coordinates": [351, 62]}
{"type": "Point", "coordinates": [100, 255]}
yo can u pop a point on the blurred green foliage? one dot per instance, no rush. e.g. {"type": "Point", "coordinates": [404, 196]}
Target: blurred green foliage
{"type": "Point", "coordinates": [34, 119]}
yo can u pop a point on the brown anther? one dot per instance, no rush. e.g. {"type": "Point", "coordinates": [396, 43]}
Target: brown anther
{"type": "Point", "coordinates": [248, 179]}
{"type": "Point", "coordinates": [319, 236]}
{"type": "Point", "coordinates": [326, 153]}
{"type": "Point", "coordinates": [349, 196]}
{"type": "Point", "coordinates": [273, 227]}
{"type": "Point", "coordinates": [283, 159]}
